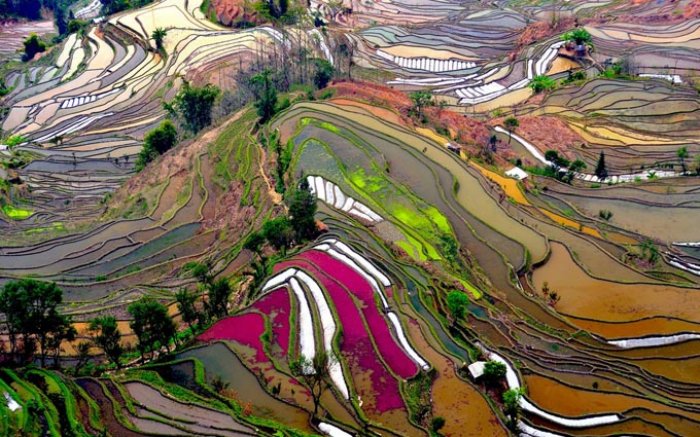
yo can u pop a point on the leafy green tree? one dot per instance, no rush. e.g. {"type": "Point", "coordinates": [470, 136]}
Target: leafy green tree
{"type": "Point", "coordinates": [696, 164]}
{"type": "Point", "coordinates": [162, 138]}
{"type": "Point", "coordinates": [511, 123]}
{"type": "Point", "coordinates": [158, 36]}
{"type": "Point", "coordinates": [278, 232]}
{"type": "Point", "coordinates": [194, 104]}
{"type": "Point", "coordinates": [30, 308]}
{"type": "Point", "coordinates": [494, 372]}
{"type": "Point", "coordinates": [265, 94]}
{"type": "Point", "coordinates": [313, 372]}
{"type": "Point", "coordinates": [511, 406]}
{"type": "Point", "coordinates": [302, 209]}
{"type": "Point", "coordinates": [323, 73]}
{"type": "Point", "coordinates": [542, 83]}
{"type": "Point", "coordinates": [156, 142]}
{"type": "Point", "coordinates": [421, 100]}
{"type": "Point", "coordinates": [186, 301]}
{"type": "Point", "coordinates": [577, 166]}
{"type": "Point", "coordinates": [457, 302]}
{"type": "Point", "coordinates": [218, 295]}
{"type": "Point", "coordinates": [151, 324]}
{"type": "Point", "coordinates": [106, 335]}
{"type": "Point", "coordinates": [682, 154]}
{"type": "Point", "coordinates": [577, 36]}
{"type": "Point", "coordinates": [33, 45]}
{"type": "Point", "coordinates": [146, 155]}
{"type": "Point", "coordinates": [78, 26]}
{"type": "Point", "coordinates": [601, 170]}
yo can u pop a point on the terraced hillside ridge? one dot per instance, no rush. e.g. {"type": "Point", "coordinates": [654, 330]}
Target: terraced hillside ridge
{"type": "Point", "coordinates": [397, 218]}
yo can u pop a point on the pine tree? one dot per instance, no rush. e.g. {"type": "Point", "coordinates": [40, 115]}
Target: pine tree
{"type": "Point", "coordinates": [600, 170]}
{"type": "Point", "coordinates": [302, 209]}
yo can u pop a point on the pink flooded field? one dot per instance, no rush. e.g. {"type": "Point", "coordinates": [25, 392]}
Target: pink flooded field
{"type": "Point", "coordinates": [393, 354]}
{"type": "Point", "coordinates": [277, 306]}
{"type": "Point", "coordinates": [356, 345]}
{"type": "Point", "coordinates": [245, 329]}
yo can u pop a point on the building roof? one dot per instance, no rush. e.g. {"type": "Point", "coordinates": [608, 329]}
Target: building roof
{"type": "Point", "coordinates": [516, 173]}
{"type": "Point", "coordinates": [477, 369]}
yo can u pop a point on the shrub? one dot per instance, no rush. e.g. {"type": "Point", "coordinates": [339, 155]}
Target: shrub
{"type": "Point", "coordinates": [542, 83]}
{"type": "Point", "coordinates": [33, 45]}
{"type": "Point", "coordinates": [156, 142]}
{"type": "Point", "coordinates": [437, 423]}
{"type": "Point", "coordinates": [605, 214]}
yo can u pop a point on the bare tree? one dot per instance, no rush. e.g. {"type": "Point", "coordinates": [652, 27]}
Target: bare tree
{"type": "Point", "coordinates": [314, 373]}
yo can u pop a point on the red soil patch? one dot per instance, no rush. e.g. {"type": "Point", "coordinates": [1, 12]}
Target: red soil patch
{"type": "Point", "coordinates": [232, 12]}
{"type": "Point", "coordinates": [692, 10]}
{"type": "Point", "coordinates": [373, 93]}
{"type": "Point", "coordinates": [542, 29]}
{"type": "Point", "coordinates": [467, 130]}
{"type": "Point", "coordinates": [547, 133]}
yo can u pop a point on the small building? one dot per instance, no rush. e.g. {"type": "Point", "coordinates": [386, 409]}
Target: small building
{"type": "Point", "coordinates": [516, 173]}
{"type": "Point", "coordinates": [452, 147]}
{"type": "Point", "coordinates": [476, 370]}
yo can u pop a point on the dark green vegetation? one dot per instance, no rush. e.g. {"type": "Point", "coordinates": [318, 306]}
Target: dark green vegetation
{"type": "Point", "coordinates": [30, 9]}
{"type": "Point", "coordinates": [193, 105]}
{"type": "Point", "coordinates": [32, 320]}
{"type": "Point", "coordinates": [33, 45]}
{"type": "Point", "coordinates": [156, 142]}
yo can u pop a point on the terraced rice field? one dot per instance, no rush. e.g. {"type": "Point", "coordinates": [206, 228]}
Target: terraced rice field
{"type": "Point", "coordinates": [570, 235]}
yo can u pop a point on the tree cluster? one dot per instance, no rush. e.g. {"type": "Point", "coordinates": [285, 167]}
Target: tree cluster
{"type": "Point", "coordinates": [151, 324]}
{"type": "Point", "coordinates": [32, 320]}
{"type": "Point", "coordinates": [561, 168]}
{"type": "Point", "coordinates": [193, 105]}
{"type": "Point", "coordinates": [298, 226]}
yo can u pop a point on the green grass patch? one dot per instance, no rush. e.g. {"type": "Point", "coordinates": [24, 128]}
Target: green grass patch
{"type": "Point", "coordinates": [16, 213]}
{"type": "Point", "coordinates": [57, 226]}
